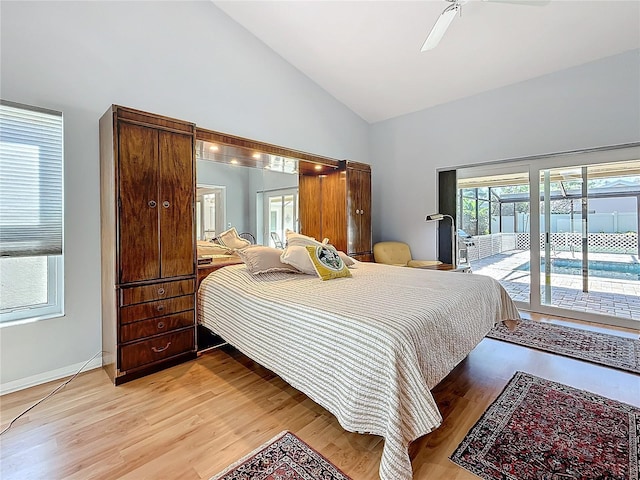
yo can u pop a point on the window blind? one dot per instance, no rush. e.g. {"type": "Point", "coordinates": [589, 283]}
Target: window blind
{"type": "Point", "coordinates": [30, 181]}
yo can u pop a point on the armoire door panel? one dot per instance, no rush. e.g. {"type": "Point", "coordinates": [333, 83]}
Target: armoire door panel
{"type": "Point", "coordinates": [138, 203]}
{"type": "Point", "coordinates": [353, 211]}
{"type": "Point", "coordinates": [310, 205]}
{"type": "Point", "coordinates": [364, 192]}
{"type": "Point", "coordinates": [176, 205]}
{"type": "Point", "coordinates": [334, 209]}
{"type": "Point", "coordinates": [359, 210]}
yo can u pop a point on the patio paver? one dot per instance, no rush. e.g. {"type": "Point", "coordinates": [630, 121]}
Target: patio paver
{"type": "Point", "coordinates": [618, 297]}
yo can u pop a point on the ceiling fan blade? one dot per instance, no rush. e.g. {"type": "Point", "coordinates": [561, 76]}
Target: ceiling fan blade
{"type": "Point", "coordinates": [441, 25]}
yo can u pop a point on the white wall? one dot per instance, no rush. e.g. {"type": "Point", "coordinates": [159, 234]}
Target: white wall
{"type": "Point", "coordinates": [588, 106]}
{"type": "Point", "coordinates": [181, 59]}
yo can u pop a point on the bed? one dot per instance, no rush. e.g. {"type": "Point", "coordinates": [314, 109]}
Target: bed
{"type": "Point", "coordinates": [367, 348]}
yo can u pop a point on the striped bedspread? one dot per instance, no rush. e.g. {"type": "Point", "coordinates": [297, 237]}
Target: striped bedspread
{"type": "Point", "coordinates": [367, 348]}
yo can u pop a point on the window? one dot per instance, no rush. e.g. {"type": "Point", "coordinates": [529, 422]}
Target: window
{"type": "Point", "coordinates": [31, 269]}
{"type": "Point", "coordinates": [210, 211]}
{"type": "Point", "coordinates": [281, 209]}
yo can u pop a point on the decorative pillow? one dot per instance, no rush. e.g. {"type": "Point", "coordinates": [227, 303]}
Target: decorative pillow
{"type": "Point", "coordinates": [298, 257]}
{"type": "Point", "coordinates": [260, 259]}
{"type": "Point", "coordinates": [230, 238]}
{"type": "Point", "coordinates": [208, 248]}
{"type": "Point", "coordinates": [327, 262]}
{"type": "Point", "coordinates": [300, 240]}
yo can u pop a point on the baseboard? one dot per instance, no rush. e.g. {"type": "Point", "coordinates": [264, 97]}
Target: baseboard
{"type": "Point", "coordinates": [49, 376]}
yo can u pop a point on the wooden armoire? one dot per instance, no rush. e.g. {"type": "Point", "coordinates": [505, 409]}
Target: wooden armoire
{"type": "Point", "coordinates": [337, 205]}
{"type": "Point", "coordinates": [147, 176]}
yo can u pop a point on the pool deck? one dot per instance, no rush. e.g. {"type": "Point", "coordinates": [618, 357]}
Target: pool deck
{"type": "Point", "coordinates": [608, 296]}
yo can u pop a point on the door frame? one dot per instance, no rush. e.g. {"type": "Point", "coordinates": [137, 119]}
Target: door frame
{"type": "Point", "coordinates": [221, 204]}
{"type": "Point", "coordinates": [266, 220]}
{"type": "Point", "coordinates": [535, 166]}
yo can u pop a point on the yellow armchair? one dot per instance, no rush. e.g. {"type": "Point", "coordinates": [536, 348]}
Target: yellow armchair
{"type": "Point", "coordinates": [398, 253]}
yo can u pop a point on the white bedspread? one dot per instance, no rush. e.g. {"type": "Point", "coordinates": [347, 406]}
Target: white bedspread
{"type": "Point", "coordinates": [367, 348]}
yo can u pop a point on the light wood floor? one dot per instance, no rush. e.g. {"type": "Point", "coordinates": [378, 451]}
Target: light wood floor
{"type": "Point", "coordinates": [192, 420]}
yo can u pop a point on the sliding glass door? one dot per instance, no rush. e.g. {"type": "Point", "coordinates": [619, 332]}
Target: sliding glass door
{"type": "Point", "coordinates": [573, 251]}
{"type": "Point", "coordinates": [589, 229]}
{"type": "Point", "coordinates": [494, 229]}
{"type": "Point", "coordinates": [281, 212]}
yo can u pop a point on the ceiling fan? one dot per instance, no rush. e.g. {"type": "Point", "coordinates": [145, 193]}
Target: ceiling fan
{"type": "Point", "coordinates": [447, 16]}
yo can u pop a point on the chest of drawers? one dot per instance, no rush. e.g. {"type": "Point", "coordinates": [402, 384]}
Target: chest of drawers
{"type": "Point", "coordinates": [156, 325]}
{"type": "Point", "coordinates": [147, 242]}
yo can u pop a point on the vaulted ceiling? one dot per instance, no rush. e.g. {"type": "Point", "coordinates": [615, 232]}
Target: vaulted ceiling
{"type": "Point", "coordinates": [367, 53]}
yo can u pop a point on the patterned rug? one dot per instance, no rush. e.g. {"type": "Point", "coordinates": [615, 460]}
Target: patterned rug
{"type": "Point", "coordinates": [610, 350]}
{"type": "Point", "coordinates": [283, 457]}
{"type": "Point", "coordinates": [538, 429]}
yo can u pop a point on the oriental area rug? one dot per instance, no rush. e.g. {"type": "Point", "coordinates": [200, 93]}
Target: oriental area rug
{"type": "Point", "coordinates": [283, 457]}
{"type": "Point", "coordinates": [604, 349]}
{"type": "Point", "coordinates": [538, 429]}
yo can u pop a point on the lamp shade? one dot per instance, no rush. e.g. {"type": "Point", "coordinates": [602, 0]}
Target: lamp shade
{"type": "Point", "coordinates": [441, 216]}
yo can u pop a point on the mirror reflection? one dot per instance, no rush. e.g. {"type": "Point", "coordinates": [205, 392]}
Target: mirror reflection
{"type": "Point", "coordinates": [257, 193]}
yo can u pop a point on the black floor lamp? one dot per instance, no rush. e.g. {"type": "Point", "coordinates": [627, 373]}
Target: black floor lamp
{"type": "Point", "coordinates": [441, 216]}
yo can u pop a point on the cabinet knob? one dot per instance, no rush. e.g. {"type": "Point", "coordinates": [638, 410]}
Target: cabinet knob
{"type": "Point", "coordinates": [162, 349]}
{"type": "Point", "coordinates": [152, 203]}
{"type": "Point", "coordinates": [161, 291]}
{"type": "Point", "coordinates": [160, 308]}
{"type": "Point", "coordinates": [166, 204]}
{"type": "Point", "coordinates": [160, 325]}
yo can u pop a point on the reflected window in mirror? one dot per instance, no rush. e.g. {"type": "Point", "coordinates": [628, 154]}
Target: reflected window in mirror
{"type": "Point", "coordinates": [281, 208]}
{"type": "Point", "coordinates": [210, 211]}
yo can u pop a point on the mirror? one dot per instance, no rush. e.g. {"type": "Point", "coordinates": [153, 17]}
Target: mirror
{"type": "Point", "coordinates": [250, 185]}
{"type": "Point", "coordinates": [257, 193]}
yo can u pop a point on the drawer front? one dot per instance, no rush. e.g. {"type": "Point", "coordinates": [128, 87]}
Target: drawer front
{"type": "Point", "coordinates": [159, 308]}
{"type": "Point", "coordinates": [155, 326]}
{"type": "Point", "coordinates": [157, 291]}
{"type": "Point", "coordinates": [158, 348]}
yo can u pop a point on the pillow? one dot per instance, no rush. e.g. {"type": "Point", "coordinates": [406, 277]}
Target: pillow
{"type": "Point", "coordinates": [208, 248]}
{"type": "Point", "coordinates": [298, 257]}
{"type": "Point", "coordinates": [348, 261]}
{"type": "Point", "coordinates": [230, 238]}
{"type": "Point", "coordinates": [260, 259]}
{"type": "Point", "coordinates": [327, 262]}
{"type": "Point", "coordinates": [300, 240]}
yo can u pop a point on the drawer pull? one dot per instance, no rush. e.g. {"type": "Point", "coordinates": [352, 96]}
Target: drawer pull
{"type": "Point", "coordinates": [166, 204]}
{"type": "Point", "coordinates": [160, 308]}
{"type": "Point", "coordinates": [152, 203]}
{"type": "Point", "coordinates": [160, 325]}
{"type": "Point", "coordinates": [161, 291]}
{"type": "Point", "coordinates": [158, 350]}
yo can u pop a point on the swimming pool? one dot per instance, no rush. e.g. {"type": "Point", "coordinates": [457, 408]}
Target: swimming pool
{"type": "Point", "coordinates": [597, 268]}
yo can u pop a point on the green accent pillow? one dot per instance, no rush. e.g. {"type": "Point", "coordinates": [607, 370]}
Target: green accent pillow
{"type": "Point", "coordinates": [327, 262]}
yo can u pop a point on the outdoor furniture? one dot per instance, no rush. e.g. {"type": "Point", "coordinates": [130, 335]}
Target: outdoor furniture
{"type": "Point", "coordinates": [248, 236]}
{"type": "Point", "coordinates": [276, 240]}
